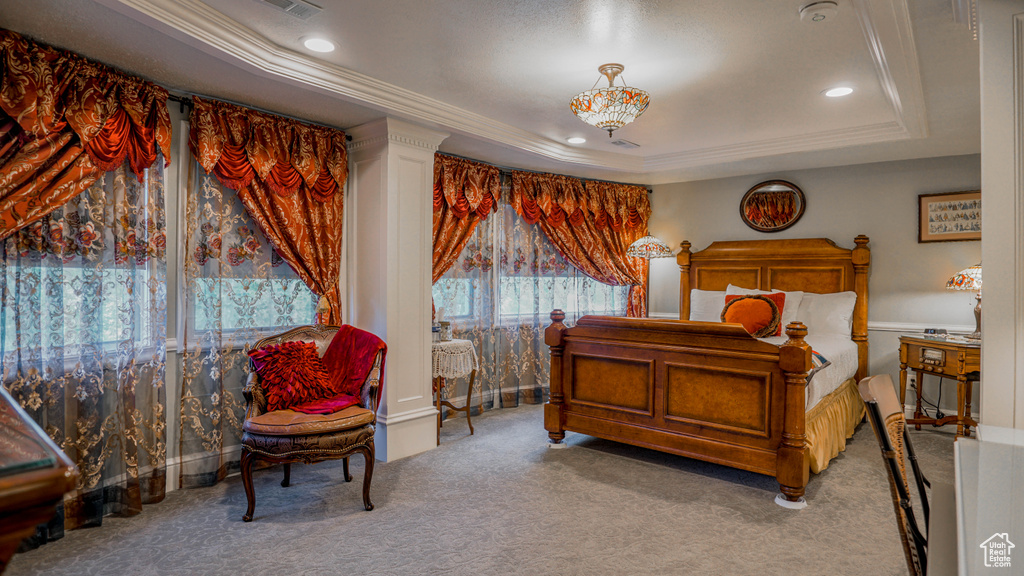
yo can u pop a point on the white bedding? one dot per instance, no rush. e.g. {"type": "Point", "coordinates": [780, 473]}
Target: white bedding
{"type": "Point", "coordinates": [839, 350]}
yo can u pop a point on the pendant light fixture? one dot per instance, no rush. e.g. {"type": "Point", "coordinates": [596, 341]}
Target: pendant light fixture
{"type": "Point", "coordinates": [613, 107]}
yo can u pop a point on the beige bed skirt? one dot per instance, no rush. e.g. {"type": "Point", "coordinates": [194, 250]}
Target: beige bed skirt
{"type": "Point", "coordinates": [831, 422]}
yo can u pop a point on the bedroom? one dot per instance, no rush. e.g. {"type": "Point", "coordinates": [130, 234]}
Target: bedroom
{"type": "Point", "coordinates": [850, 190]}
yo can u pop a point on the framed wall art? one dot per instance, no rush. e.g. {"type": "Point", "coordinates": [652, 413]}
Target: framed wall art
{"type": "Point", "coordinates": [949, 216]}
{"type": "Point", "coordinates": [772, 206]}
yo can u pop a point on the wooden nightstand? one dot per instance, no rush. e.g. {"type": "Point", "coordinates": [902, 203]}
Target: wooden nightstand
{"type": "Point", "coordinates": [945, 358]}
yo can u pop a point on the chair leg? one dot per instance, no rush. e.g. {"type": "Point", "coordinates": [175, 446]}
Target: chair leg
{"type": "Point", "coordinates": [287, 475]}
{"type": "Point", "coordinates": [348, 477]}
{"type": "Point", "coordinates": [250, 494]}
{"type": "Point", "coordinates": [368, 453]}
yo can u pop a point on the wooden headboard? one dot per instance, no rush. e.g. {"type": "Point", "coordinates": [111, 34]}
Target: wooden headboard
{"type": "Point", "coordinates": [810, 265]}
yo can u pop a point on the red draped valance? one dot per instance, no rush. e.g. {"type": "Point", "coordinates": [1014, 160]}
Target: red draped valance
{"type": "Point", "coordinates": [239, 144]}
{"type": "Point", "coordinates": [465, 186]}
{"type": "Point", "coordinates": [557, 198]}
{"type": "Point", "coordinates": [465, 192]}
{"type": "Point", "coordinates": [289, 177]}
{"type": "Point", "coordinates": [591, 224]}
{"type": "Point", "coordinates": [55, 105]}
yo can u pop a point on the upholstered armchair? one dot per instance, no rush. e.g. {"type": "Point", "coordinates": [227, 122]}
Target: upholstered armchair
{"type": "Point", "coordinates": [286, 436]}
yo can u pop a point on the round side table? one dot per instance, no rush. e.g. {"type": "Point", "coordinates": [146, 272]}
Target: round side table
{"type": "Point", "coordinates": [452, 359]}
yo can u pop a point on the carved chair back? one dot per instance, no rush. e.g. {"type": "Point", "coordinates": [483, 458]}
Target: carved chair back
{"type": "Point", "coordinates": [321, 335]}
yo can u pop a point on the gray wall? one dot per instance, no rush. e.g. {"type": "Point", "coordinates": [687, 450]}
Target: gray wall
{"type": "Point", "coordinates": [906, 280]}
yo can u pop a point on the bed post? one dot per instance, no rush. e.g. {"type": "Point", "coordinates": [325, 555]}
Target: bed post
{"type": "Point", "coordinates": [861, 261]}
{"type": "Point", "coordinates": [683, 259]}
{"type": "Point", "coordinates": [793, 463]}
{"type": "Point", "coordinates": [553, 420]}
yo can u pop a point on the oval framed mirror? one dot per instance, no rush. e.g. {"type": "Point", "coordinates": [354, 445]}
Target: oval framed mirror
{"type": "Point", "coordinates": [772, 206]}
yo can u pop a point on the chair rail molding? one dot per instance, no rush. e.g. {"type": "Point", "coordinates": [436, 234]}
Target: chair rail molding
{"type": "Point", "coordinates": [875, 326]}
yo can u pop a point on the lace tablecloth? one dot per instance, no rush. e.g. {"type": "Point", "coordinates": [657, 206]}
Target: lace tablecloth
{"type": "Point", "coordinates": [453, 359]}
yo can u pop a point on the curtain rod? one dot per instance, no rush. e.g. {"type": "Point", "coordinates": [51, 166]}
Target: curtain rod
{"type": "Point", "coordinates": [507, 169]}
{"type": "Point", "coordinates": [186, 101]}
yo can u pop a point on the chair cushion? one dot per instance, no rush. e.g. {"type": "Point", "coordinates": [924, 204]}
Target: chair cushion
{"type": "Point", "coordinates": [291, 373]}
{"type": "Point", "coordinates": [292, 423]}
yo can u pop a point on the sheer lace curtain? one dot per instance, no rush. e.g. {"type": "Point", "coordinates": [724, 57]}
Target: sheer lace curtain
{"type": "Point", "coordinates": [83, 305]}
{"type": "Point", "coordinates": [500, 294]}
{"type": "Point", "coordinates": [236, 290]}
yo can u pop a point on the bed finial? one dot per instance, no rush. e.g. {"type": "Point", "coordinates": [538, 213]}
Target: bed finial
{"type": "Point", "coordinates": [861, 261]}
{"type": "Point", "coordinates": [553, 419]}
{"type": "Point", "coordinates": [683, 259]}
{"type": "Point", "coordinates": [793, 469]}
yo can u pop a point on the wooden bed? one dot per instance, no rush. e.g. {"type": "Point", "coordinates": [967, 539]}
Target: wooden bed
{"type": "Point", "coordinates": [704, 390]}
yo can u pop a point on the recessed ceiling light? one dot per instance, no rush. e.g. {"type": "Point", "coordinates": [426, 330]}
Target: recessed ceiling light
{"type": "Point", "coordinates": [575, 140]}
{"type": "Point", "coordinates": [319, 45]}
{"type": "Point", "coordinates": [838, 91]}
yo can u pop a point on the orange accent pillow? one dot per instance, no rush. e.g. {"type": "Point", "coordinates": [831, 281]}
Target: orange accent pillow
{"type": "Point", "coordinates": [760, 314]}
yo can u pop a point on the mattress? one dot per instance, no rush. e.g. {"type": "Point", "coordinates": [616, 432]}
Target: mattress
{"type": "Point", "coordinates": [839, 350]}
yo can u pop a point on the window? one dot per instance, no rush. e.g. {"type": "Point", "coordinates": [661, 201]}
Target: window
{"type": "Point", "coordinates": [500, 294]}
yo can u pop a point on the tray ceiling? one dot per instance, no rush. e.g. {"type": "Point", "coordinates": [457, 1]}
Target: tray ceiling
{"type": "Point", "coordinates": [735, 87]}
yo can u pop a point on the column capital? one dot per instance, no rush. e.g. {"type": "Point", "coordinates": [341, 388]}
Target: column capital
{"type": "Point", "coordinates": [392, 130]}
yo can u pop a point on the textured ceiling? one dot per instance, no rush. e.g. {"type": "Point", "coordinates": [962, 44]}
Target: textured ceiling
{"type": "Point", "coordinates": [735, 86]}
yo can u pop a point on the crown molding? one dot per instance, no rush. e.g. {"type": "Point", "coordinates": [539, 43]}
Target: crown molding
{"type": "Point", "coordinates": [885, 24]}
{"type": "Point", "coordinates": [890, 41]}
{"type": "Point", "coordinates": [800, 143]}
{"type": "Point", "coordinates": [201, 22]}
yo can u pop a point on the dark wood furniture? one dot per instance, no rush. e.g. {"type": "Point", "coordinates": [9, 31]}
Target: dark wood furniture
{"type": "Point", "coordinates": [890, 426]}
{"type": "Point", "coordinates": [287, 436]}
{"type": "Point", "coordinates": [703, 390]}
{"type": "Point", "coordinates": [34, 476]}
{"type": "Point", "coordinates": [935, 355]}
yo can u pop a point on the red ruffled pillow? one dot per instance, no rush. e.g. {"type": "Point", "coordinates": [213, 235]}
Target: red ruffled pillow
{"type": "Point", "coordinates": [760, 314]}
{"type": "Point", "coordinates": [291, 373]}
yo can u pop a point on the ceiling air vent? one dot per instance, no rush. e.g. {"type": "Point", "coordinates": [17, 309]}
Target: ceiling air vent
{"type": "Point", "coordinates": [297, 8]}
{"type": "Point", "coordinates": [625, 144]}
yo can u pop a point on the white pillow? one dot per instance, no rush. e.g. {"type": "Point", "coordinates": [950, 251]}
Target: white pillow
{"type": "Point", "coordinates": [706, 305]}
{"type": "Point", "coordinates": [828, 313]}
{"type": "Point", "coordinates": [790, 310]}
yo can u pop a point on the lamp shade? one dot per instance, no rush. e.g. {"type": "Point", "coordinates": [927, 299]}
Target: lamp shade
{"type": "Point", "coordinates": [648, 247]}
{"type": "Point", "coordinates": [966, 279]}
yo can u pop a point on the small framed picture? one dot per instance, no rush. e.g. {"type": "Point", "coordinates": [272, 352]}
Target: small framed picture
{"type": "Point", "coordinates": [772, 206]}
{"type": "Point", "coordinates": [949, 217]}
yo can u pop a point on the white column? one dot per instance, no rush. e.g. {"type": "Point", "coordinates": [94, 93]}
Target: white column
{"type": "Point", "coordinates": [389, 261]}
{"type": "Point", "coordinates": [1001, 33]}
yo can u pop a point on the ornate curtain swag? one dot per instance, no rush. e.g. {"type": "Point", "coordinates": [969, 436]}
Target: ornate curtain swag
{"type": "Point", "coordinates": [55, 105]}
{"type": "Point", "coordinates": [239, 144]}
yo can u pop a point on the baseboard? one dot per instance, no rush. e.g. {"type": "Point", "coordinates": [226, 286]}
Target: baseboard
{"type": "Point", "coordinates": [174, 465]}
{"type": "Point", "coordinates": [406, 433]}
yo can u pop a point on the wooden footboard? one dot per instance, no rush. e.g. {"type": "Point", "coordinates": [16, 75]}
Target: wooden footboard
{"type": "Point", "coordinates": [706, 391]}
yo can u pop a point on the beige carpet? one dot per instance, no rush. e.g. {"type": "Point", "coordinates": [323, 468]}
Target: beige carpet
{"type": "Point", "coordinates": [501, 502]}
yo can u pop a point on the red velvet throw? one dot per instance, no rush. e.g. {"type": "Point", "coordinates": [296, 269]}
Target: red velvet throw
{"type": "Point", "coordinates": [327, 405]}
{"type": "Point", "coordinates": [291, 373]}
{"type": "Point", "coordinates": [348, 360]}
